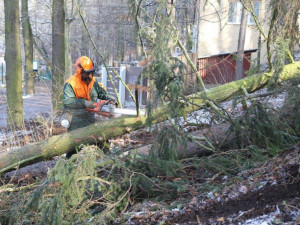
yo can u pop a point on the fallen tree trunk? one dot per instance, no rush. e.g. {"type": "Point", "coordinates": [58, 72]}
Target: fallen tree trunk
{"type": "Point", "coordinates": [217, 134]}
{"type": "Point", "coordinates": [60, 144]}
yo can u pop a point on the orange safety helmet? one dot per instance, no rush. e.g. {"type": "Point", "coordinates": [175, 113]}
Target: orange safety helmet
{"type": "Point", "coordinates": [85, 63]}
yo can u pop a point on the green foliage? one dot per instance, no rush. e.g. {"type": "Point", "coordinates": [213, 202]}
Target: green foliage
{"type": "Point", "coordinates": [168, 79]}
{"type": "Point", "coordinates": [291, 109]}
{"type": "Point", "coordinates": [254, 69]}
{"type": "Point", "coordinates": [281, 54]}
{"type": "Point", "coordinates": [62, 198]}
{"type": "Point", "coordinates": [167, 141]}
{"type": "Point", "coordinates": [166, 73]}
{"type": "Point", "coordinates": [233, 162]}
{"type": "Point", "coordinates": [164, 152]}
{"type": "Point", "coordinates": [92, 188]}
{"type": "Point", "coordinates": [261, 127]}
{"type": "Point", "coordinates": [163, 70]}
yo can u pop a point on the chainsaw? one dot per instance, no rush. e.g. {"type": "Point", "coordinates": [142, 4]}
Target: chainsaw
{"type": "Point", "coordinates": [107, 108]}
{"type": "Point", "coordinates": [104, 108]}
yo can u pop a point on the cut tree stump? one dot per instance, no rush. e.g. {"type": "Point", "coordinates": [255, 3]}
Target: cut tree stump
{"type": "Point", "coordinates": [95, 133]}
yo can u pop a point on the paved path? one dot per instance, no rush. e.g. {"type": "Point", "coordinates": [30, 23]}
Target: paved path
{"type": "Point", "coordinates": [38, 104]}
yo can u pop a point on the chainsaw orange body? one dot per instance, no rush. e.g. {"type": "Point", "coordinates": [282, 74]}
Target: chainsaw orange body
{"type": "Point", "coordinates": [98, 108]}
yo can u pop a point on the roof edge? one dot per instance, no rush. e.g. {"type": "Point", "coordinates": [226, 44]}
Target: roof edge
{"type": "Point", "coordinates": [228, 53]}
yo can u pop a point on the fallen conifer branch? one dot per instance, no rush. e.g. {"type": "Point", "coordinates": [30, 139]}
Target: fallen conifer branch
{"type": "Point", "coordinates": [96, 133]}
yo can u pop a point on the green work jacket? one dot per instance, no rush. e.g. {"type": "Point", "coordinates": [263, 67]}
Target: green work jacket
{"type": "Point", "coordinates": [76, 107]}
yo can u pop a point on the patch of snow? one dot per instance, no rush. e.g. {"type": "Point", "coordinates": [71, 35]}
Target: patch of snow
{"type": "Point", "coordinates": [266, 219]}
{"type": "Point", "coordinates": [27, 96]}
{"type": "Point", "coordinates": [211, 195]}
{"type": "Point", "coordinates": [199, 116]}
{"type": "Point", "coordinates": [262, 184]}
{"type": "Point", "coordinates": [233, 195]}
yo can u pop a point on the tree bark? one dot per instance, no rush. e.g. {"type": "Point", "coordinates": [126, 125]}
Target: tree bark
{"type": "Point", "coordinates": [68, 53]}
{"type": "Point", "coordinates": [97, 132]}
{"type": "Point", "coordinates": [269, 39]}
{"type": "Point", "coordinates": [28, 48]}
{"type": "Point", "coordinates": [58, 52]}
{"type": "Point", "coordinates": [14, 90]}
{"type": "Point", "coordinates": [70, 16]}
{"type": "Point", "coordinates": [241, 44]}
{"type": "Point", "coordinates": [216, 134]}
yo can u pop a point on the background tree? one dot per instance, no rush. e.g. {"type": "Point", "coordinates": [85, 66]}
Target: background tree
{"type": "Point", "coordinates": [28, 49]}
{"type": "Point", "coordinates": [58, 52]}
{"type": "Point", "coordinates": [13, 64]}
{"type": "Point", "coordinates": [241, 44]}
{"type": "Point", "coordinates": [285, 26]}
{"type": "Point", "coordinates": [70, 14]}
{"type": "Point", "coordinates": [283, 16]}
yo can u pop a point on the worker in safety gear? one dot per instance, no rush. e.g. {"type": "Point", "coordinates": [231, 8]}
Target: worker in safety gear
{"type": "Point", "coordinates": [81, 91]}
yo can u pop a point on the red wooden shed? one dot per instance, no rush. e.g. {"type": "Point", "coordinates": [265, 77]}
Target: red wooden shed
{"type": "Point", "coordinates": [220, 69]}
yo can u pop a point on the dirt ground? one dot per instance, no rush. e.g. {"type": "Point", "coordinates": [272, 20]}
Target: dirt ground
{"type": "Point", "coordinates": [273, 190]}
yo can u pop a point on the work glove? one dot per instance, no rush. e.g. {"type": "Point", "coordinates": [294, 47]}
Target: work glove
{"type": "Point", "coordinates": [89, 104]}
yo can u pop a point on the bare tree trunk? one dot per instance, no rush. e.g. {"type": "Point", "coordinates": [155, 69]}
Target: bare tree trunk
{"type": "Point", "coordinates": [84, 45]}
{"type": "Point", "coordinates": [28, 48]}
{"type": "Point", "coordinates": [188, 27]}
{"type": "Point", "coordinates": [241, 44]}
{"type": "Point", "coordinates": [116, 127]}
{"type": "Point", "coordinates": [270, 36]}
{"type": "Point", "coordinates": [70, 15]}
{"type": "Point", "coordinates": [258, 51]}
{"type": "Point", "coordinates": [139, 50]}
{"type": "Point", "coordinates": [13, 77]}
{"type": "Point", "coordinates": [293, 36]}
{"type": "Point", "coordinates": [197, 23]}
{"type": "Point", "coordinates": [58, 52]}
{"type": "Point", "coordinates": [68, 53]}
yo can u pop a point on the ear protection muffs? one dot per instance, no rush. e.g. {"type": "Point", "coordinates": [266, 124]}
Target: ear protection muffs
{"type": "Point", "coordinates": [80, 66]}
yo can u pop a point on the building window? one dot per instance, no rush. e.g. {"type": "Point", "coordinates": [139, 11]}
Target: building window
{"type": "Point", "coordinates": [256, 10]}
{"type": "Point", "coordinates": [235, 12]}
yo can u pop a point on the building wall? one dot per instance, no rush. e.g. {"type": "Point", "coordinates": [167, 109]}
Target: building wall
{"type": "Point", "coordinates": [216, 36]}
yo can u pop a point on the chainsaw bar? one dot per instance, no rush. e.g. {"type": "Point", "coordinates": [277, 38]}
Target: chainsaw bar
{"type": "Point", "coordinates": [107, 109]}
{"type": "Point", "coordinates": [129, 112]}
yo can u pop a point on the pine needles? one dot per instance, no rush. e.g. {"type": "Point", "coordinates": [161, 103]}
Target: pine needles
{"type": "Point", "coordinates": [91, 188]}
{"type": "Point", "coordinates": [261, 127]}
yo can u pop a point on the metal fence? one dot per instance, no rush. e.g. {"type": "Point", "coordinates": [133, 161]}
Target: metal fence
{"type": "Point", "coordinates": [130, 76]}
